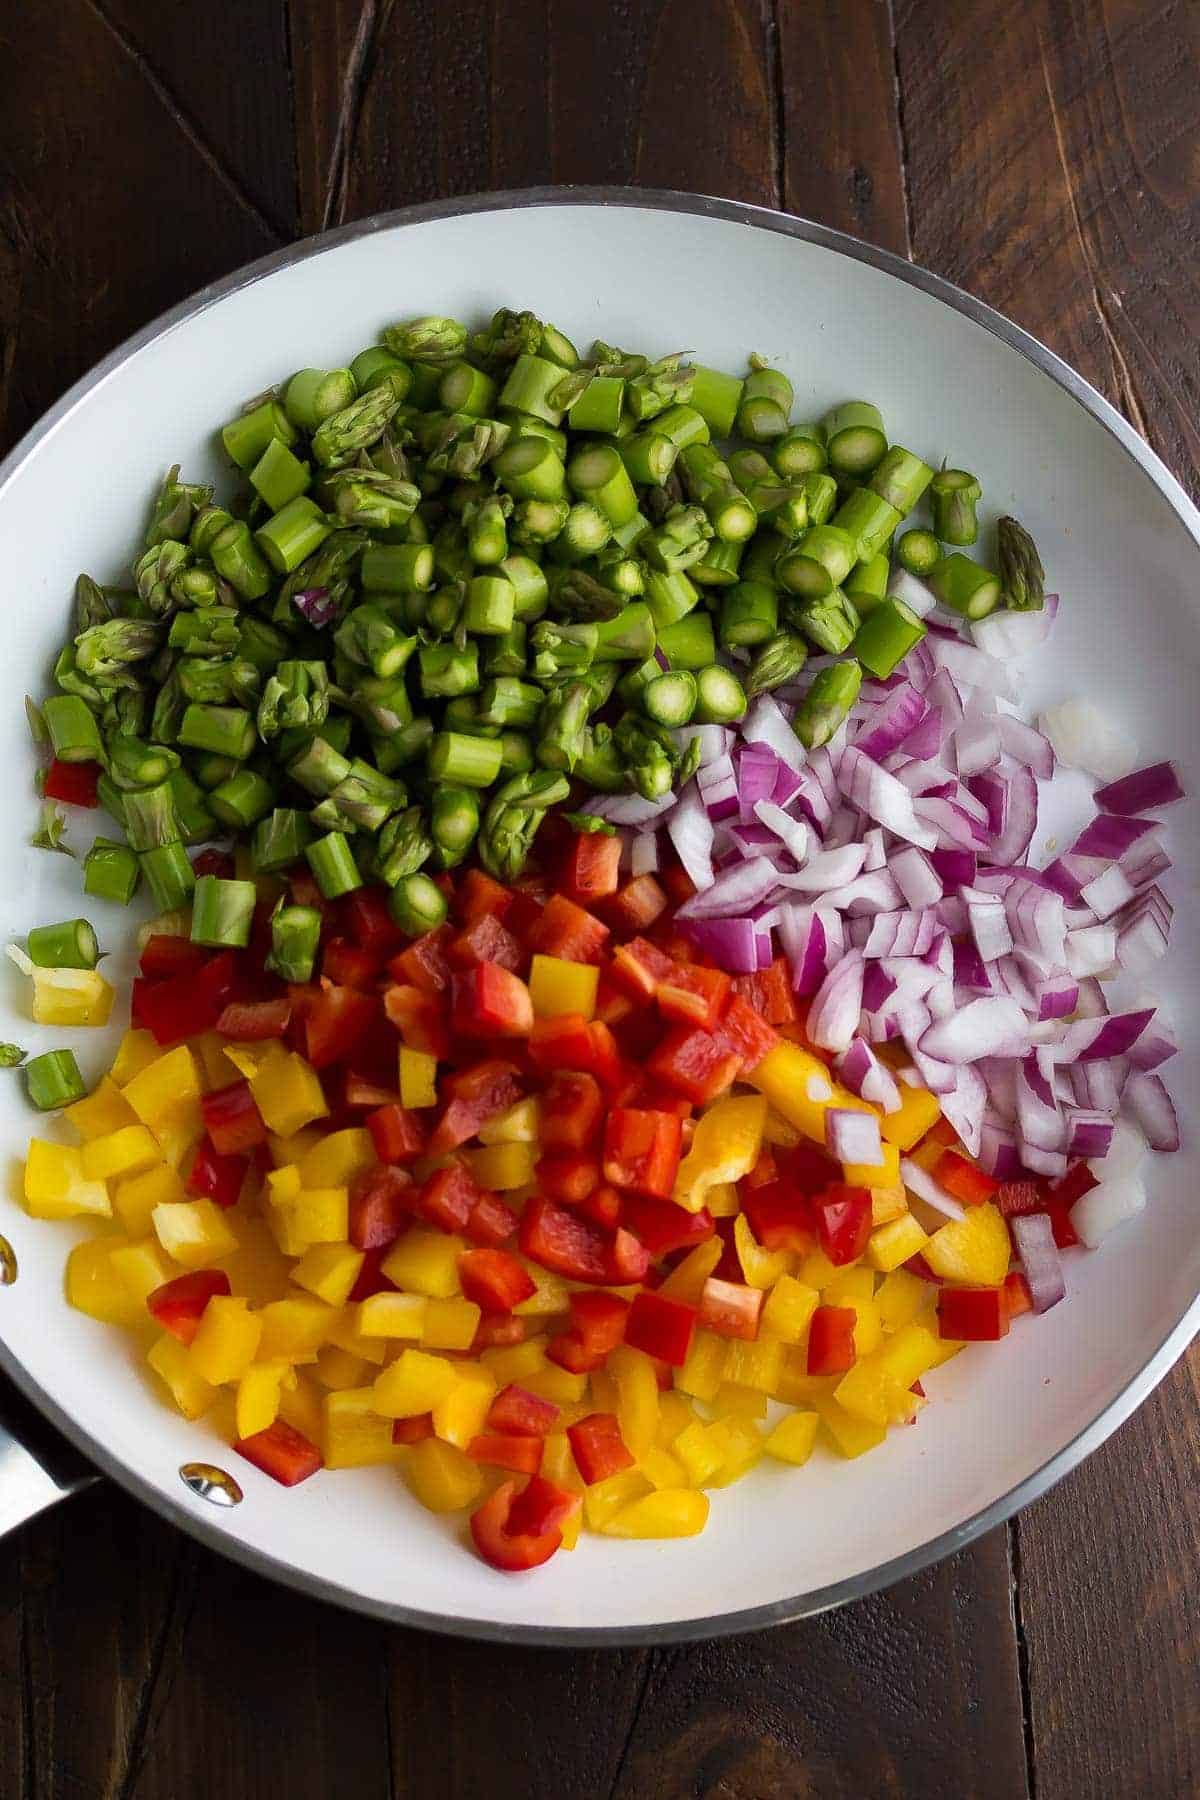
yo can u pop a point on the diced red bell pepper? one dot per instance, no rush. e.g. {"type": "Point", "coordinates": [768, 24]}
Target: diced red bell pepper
{"type": "Point", "coordinates": [254, 1021]}
{"type": "Point", "coordinates": [186, 1005]}
{"type": "Point", "coordinates": [569, 1176]}
{"type": "Point", "coordinates": [72, 783]}
{"type": "Point", "coordinates": [565, 930]}
{"type": "Point", "coordinates": [472, 1096]}
{"type": "Point", "coordinates": [495, 1281]}
{"type": "Point", "coordinates": [567, 1350]}
{"type": "Point", "coordinates": [282, 1453]}
{"type": "Point", "coordinates": [769, 992]}
{"type": "Point", "coordinates": [178, 1305]}
{"type": "Point", "coordinates": [164, 956]}
{"type": "Point", "coordinates": [779, 1216]}
{"type": "Point", "coordinates": [371, 1278]}
{"type": "Point", "coordinates": [366, 917]}
{"type": "Point", "coordinates": [843, 1220]}
{"type": "Point", "coordinates": [424, 964]}
{"type": "Point", "coordinates": [963, 1179]}
{"type": "Point", "coordinates": [628, 1259]}
{"type": "Point", "coordinates": [636, 906]}
{"type": "Point", "coordinates": [972, 1315]}
{"type": "Point", "coordinates": [641, 1150]}
{"type": "Point", "coordinates": [485, 941]}
{"type": "Point", "coordinates": [446, 1198]}
{"type": "Point", "coordinates": [414, 1430]}
{"type": "Point", "coordinates": [542, 1506]}
{"type": "Point", "coordinates": [355, 1094]}
{"type": "Point", "coordinates": [616, 1009]}
{"type": "Point", "coordinates": [639, 966]}
{"type": "Point", "coordinates": [515, 1409]}
{"type": "Point", "coordinates": [1017, 1297]}
{"type": "Point", "coordinates": [916, 1265]}
{"type": "Point", "coordinates": [693, 996]}
{"type": "Point", "coordinates": [571, 1042]}
{"type": "Point", "coordinates": [1013, 1198]}
{"type": "Point", "coordinates": [528, 898]}
{"type": "Point", "coordinates": [419, 1018]}
{"type": "Point", "coordinates": [809, 1169]}
{"type": "Point", "coordinates": [232, 1120]}
{"type": "Point", "coordinates": [730, 1308]}
{"type": "Point", "coordinates": [591, 868]}
{"type": "Point", "coordinates": [397, 1134]}
{"type": "Point", "coordinates": [598, 1320]}
{"type": "Point", "coordinates": [598, 1447]}
{"type": "Point", "coordinates": [766, 1171]}
{"type": "Point", "coordinates": [661, 1327]}
{"type": "Point", "coordinates": [337, 1018]}
{"type": "Point", "coordinates": [504, 1450]}
{"type": "Point", "coordinates": [831, 1340]}
{"type": "Point", "coordinates": [572, 1110]}
{"type": "Point", "coordinates": [560, 1240]}
{"type": "Point", "coordinates": [1071, 1187]}
{"type": "Point", "coordinates": [215, 862]}
{"type": "Point", "coordinates": [942, 1132]}
{"type": "Point", "coordinates": [497, 1331]}
{"type": "Point", "coordinates": [382, 1203]}
{"type": "Point", "coordinates": [663, 1227]}
{"type": "Point", "coordinates": [745, 1035]}
{"type": "Point", "coordinates": [1065, 1234]}
{"type": "Point", "coordinates": [502, 1536]}
{"type": "Point", "coordinates": [215, 1177]}
{"type": "Point", "coordinates": [304, 889]}
{"type": "Point", "coordinates": [346, 965]}
{"type": "Point", "coordinates": [730, 1266]}
{"type": "Point", "coordinates": [479, 896]}
{"type": "Point", "coordinates": [604, 1206]}
{"type": "Point", "coordinates": [695, 1062]}
{"type": "Point", "coordinates": [491, 1223]}
{"type": "Point", "coordinates": [489, 1002]}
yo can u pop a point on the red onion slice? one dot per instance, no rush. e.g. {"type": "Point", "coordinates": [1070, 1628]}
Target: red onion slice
{"type": "Point", "coordinates": [1147, 1099]}
{"type": "Point", "coordinates": [1145, 790]}
{"type": "Point", "coordinates": [862, 1072]}
{"type": "Point", "coordinates": [1033, 1235]}
{"type": "Point", "coordinates": [833, 1016]}
{"type": "Point", "coordinates": [853, 1137]}
{"type": "Point", "coordinates": [988, 1027]}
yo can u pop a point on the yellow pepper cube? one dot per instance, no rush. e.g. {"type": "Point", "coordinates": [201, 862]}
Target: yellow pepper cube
{"type": "Point", "coordinates": [393, 1316]}
{"type": "Point", "coordinates": [788, 1311]}
{"type": "Point", "coordinates": [744, 1405]}
{"type": "Point", "coordinates": [136, 1051]}
{"type": "Point", "coordinates": [761, 1268]}
{"type": "Point", "coordinates": [226, 1340]}
{"type": "Point", "coordinates": [294, 1329]}
{"type": "Point", "coordinates": [700, 1452]}
{"type": "Point", "coordinates": [413, 1384]}
{"type": "Point", "coordinates": [135, 1198]}
{"type": "Point", "coordinates": [193, 1232]}
{"type": "Point", "coordinates": [758, 1365]}
{"type": "Point", "coordinates": [344, 1332]}
{"type": "Point", "coordinates": [558, 1463]}
{"type": "Point", "coordinates": [849, 1435]}
{"type": "Point", "coordinates": [686, 1280]}
{"type": "Point", "coordinates": [282, 1225]}
{"type": "Point", "coordinates": [516, 1362]}
{"type": "Point", "coordinates": [104, 1110]}
{"type": "Point", "coordinates": [793, 1438]}
{"type": "Point", "coordinates": [461, 1413]}
{"type": "Point", "coordinates": [725, 1145]}
{"type": "Point", "coordinates": [551, 1296]}
{"type": "Point", "coordinates": [321, 1215]}
{"type": "Point", "coordinates": [660, 1468]}
{"type": "Point", "coordinates": [637, 1398]}
{"type": "Point", "coordinates": [259, 1394]}
{"type": "Point", "coordinates": [71, 997]}
{"type": "Point", "coordinates": [441, 1477]}
{"type": "Point", "coordinates": [919, 1112]}
{"type": "Point", "coordinates": [353, 1435]}
{"type": "Point", "coordinates": [797, 1387]}
{"type": "Point", "coordinates": [851, 1286]}
{"type": "Point", "coordinates": [557, 987]}
{"type": "Point", "coordinates": [503, 1167]}
{"type": "Point", "coordinates": [799, 1086]}
{"type": "Point", "coordinates": [288, 1094]}
{"type": "Point", "coordinates": [742, 1449]}
{"type": "Point", "coordinates": [883, 1174]}
{"type": "Point", "coordinates": [518, 1124]}
{"type": "Point", "coordinates": [163, 1086]}
{"type": "Point", "coordinates": [329, 1271]}
{"type": "Point", "coordinates": [888, 1203]}
{"type": "Point", "coordinates": [95, 1287]}
{"type": "Point", "coordinates": [605, 1499]}
{"type": "Point", "coordinates": [56, 1187]}
{"type": "Point", "coordinates": [339, 1369]}
{"type": "Point", "coordinates": [449, 1324]}
{"type": "Point", "coordinates": [557, 1385]}
{"type": "Point", "coordinates": [669, 1513]}
{"type": "Point", "coordinates": [868, 1328]}
{"type": "Point", "coordinates": [171, 1362]}
{"type": "Point", "coordinates": [426, 1262]}
{"type": "Point", "coordinates": [256, 1270]}
{"type": "Point", "coordinates": [300, 1406]}
{"type": "Point", "coordinates": [288, 1152]}
{"type": "Point", "coordinates": [335, 1160]}
{"type": "Point", "coordinates": [418, 1078]}
{"type": "Point", "coordinates": [126, 1151]}
{"type": "Point", "coordinates": [973, 1249]}
{"type": "Point", "coordinates": [722, 1200]}
{"type": "Point", "coordinates": [780, 1132]}
{"type": "Point", "coordinates": [603, 1387]}
{"type": "Point", "coordinates": [890, 1245]}
{"type": "Point", "coordinates": [282, 1186]}
{"type": "Point", "coordinates": [704, 1370]}
{"type": "Point", "coordinates": [902, 1295]}
{"type": "Point", "coordinates": [816, 1270]}
{"type": "Point", "coordinates": [209, 1052]}
{"type": "Point", "coordinates": [675, 1414]}
{"type": "Point", "coordinates": [178, 1132]}
{"type": "Point", "coordinates": [248, 1059]}
{"type": "Point", "coordinates": [142, 1267]}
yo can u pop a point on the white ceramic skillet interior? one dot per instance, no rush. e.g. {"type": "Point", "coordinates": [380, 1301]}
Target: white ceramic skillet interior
{"type": "Point", "coordinates": [660, 272]}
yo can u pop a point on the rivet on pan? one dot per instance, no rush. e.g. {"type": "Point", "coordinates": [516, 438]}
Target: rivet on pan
{"type": "Point", "coordinates": [8, 1263]}
{"type": "Point", "coordinates": [211, 1483]}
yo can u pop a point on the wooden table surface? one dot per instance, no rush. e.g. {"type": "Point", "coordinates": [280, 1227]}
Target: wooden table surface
{"type": "Point", "coordinates": [1044, 155]}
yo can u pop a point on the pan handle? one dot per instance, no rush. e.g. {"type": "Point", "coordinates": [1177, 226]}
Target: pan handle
{"type": "Point", "coordinates": [38, 1468]}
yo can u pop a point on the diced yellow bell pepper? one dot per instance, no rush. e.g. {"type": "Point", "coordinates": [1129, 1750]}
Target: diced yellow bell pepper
{"type": "Point", "coordinates": [799, 1086]}
{"type": "Point", "coordinates": [426, 1262]}
{"type": "Point", "coordinates": [888, 1203]}
{"type": "Point", "coordinates": [557, 987]}
{"type": "Point", "coordinates": [904, 1405]}
{"type": "Point", "coordinates": [126, 1151]}
{"type": "Point", "coordinates": [193, 1232]}
{"type": "Point", "coordinates": [797, 1387]}
{"type": "Point", "coordinates": [744, 1404]}
{"type": "Point", "coordinates": [392, 1316]}
{"type": "Point", "coordinates": [551, 1295]}
{"type": "Point", "coordinates": [867, 1389]}
{"type": "Point", "coordinates": [71, 997]}
{"type": "Point", "coordinates": [289, 1152]}
{"type": "Point", "coordinates": [605, 1499]}
{"type": "Point", "coordinates": [460, 1414]}
{"type": "Point", "coordinates": [282, 1185]}
{"type": "Point", "coordinates": [95, 1287]}
{"type": "Point", "coordinates": [515, 1362]}
{"type": "Point", "coordinates": [902, 1295]}
{"type": "Point", "coordinates": [135, 1198]}
{"type": "Point", "coordinates": [288, 1094]}
{"type": "Point", "coordinates": [927, 1154]}
{"type": "Point", "coordinates": [354, 1436]}
{"type": "Point", "coordinates": [413, 1384]}
{"type": "Point", "coordinates": [890, 1245]}
{"type": "Point", "coordinates": [161, 1087]}
{"type": "Point", "coordinates": [661, 1469]}
{"type": "Point", "coordinates": [919, 1112]}
{"type": "Point", "coordinates": [249, 1059]}
{"type": "Point", "coordinates": [281, 1223]}
{"type": "Point", "coordinates": [339, 1369]}
{"type": "Point", "coordinates": [178, 1132]}
{"type": "Point", "coordinates": [556, 1385]}
{"type": "Point", "coordinates": [686, 1280]}
{"type": "Point", "coordinates": [849, 1435]}
{"type": "Point", "coordinates": [503, 1167]}
{"type": "Point", "coordinates": [816, 1270]}
{"type": "Point", "coordinates": [883, 1174]}
{"type": "Point", "coordinates": [850, 1286]}
{"type": "Point", "coordinates": [725, 1146]}
{"type": "Point", "coordinates": [300, 1406]}
{"type": "Point", "coordinates": [226, 1340]}
{"type": "Point", "coordinates": [450, 1324]}
{"type": "Point", "coordinates": [294, 1329]}
{"type": "Point", "coordinates": [973, 1249]}
{"type": "Point", "coordinates": [868, 1329]}
{"type": "Point", "coordinates": [761, 1268]}
{"type": "Point", "coordinates": [757, 1365]}
{"type": "Point", "coordinates": [256, 1269]}
{"type": "Point", "coordinates": [102, 1111]}
{"type": "Point", "coordinates": [669, 1513]}
{"type": "Point", "coordinates": [637, 1398]}
{"type": "Point", "coordinates": [209, 1052]}
{"type": "Point", "coordinates": [742, 1448]}
{"type": "Point", "coordinates": [722, 1200]}
{"type": "Point", "coordinates": [703, 1372]}
{"type": "Point", "coordinates": [56, 1186]}
{"type": "Point", "coordinates": [136, 1051]}
{"type": "Point", "coordinates": [603, 1388]}
{"type": "Point", "coordinates": [418, 1078]}
{"type": "Point", "coordinates": [520, 1123]}
{"type": "Point", "coordinates": [700, 1452]}
{"type": "Point", "coordinates": [343, 1331]}
{"type": "Point", "coordinates": [947, 1347]}
{"type": "Point", "coordinates": [441, 1477]}
{"type": "Point", "coordinates": [320, 1215]}
{"type": "Point", "coordinates": [780, 1132]}
{"type": "Point", "coordinates": [142, 1267]}
{"type": "Point", "coordinates": [793, 1438]}
{"type": "Point", "coordinates": [171, 1361]}
{"type": "Point", "coordinates": [329, 1271]}
{"type": "Point", "coordinates": [789, 1308]}
{"type": "Point", "coordinates": [675, 1414]}
{"type": "Point", "coordinates": [259, 1393]}
{"type": "Point", "coordinates": [335, 1160]}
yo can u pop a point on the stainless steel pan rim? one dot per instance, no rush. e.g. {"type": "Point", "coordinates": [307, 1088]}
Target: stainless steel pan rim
{"type": "Point", "coordinates": [180, 1512]}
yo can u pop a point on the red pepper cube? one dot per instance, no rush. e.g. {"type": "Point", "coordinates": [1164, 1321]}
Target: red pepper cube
{"type": "Point", "coordinates": [484, 941]}
{"type": "Point", "coordinates": [371, 1279]}
{"type": "Point", "coordinates": [641, 1150]}
{"type": "Point", "coordinates": [346, 965]}
{"type": "Point", "coordinates": [769, 992]}
{"type": "Point", "coordinates": [420, 1019]}
{"type": "Point", "coordinates": [163, 956]}
{"type": "Point", "coordinates": [178, 1305]}
{"type": "Point", "coordinates": [336, 1019]}
{"type": "Point", "coordinates": [598, 1447]}
{"type": "Point", "coordinates": [215, 862]}
{"type": "Point", "coordinates": [382, 1202]}
{"type": "Point", "coordinates": [568, 1350]}
{"type": "Point", "coordinates": [497, 1331]}
{"type": "Point", "coordinates": [831, 1340]}
{"type": "Point", "coordinates": [561, 1043]}
{"type": "Point", "coordinates": [188, 1005]}
{"type": "Point", "coordinates": [254, 1021]}
{"type": "Point", "coordinates": [491, 1223]}
{"type": "Point", "coordinates": [693, 996]}
{"type": "Point", "coordinates": [570, 1176]}
{"type": "Point", "coordinates": [282, 1453]}
{"type": "Point", "coordinates": [502, 1450]}
{"type": "Point", "coordinates": [598, 1320]}
{"type": "Point", "coordinates": [663, 1227]}
{"type": "Point", "coordinates": [843, 1219]}
{"type": "Point", "coordinates": [369, 922]}
{"type": "Point", "coordinates": [515, 1531]}
{"type": "Point", "coordinates": [232, 1120]}
{"type": "Point", "coordinates": [356, 1094]}
{"type": "Point", "coordinates": [661, 1327]}
{"type": "Point", "coordinates": [730, 1308]}
{"type": "Point", "coordinates": [494, 1280]}
{"type": "Point", "coordinates": [397, 1134]}
{"type": "Point", "coordinates": [591, 868]}
{"type": "Point", "coordinates": [488, 1001]}
{"type": "Point", "coordinates": [695, 1062]}
{"type": "Point", "coordinates": [471, 1097]}
{"type": "Point", "coordinates": [542, 1506]}
{"type": "Point", "coordinates": [447, 1198]}
{"type": "Point", "coordinates": [779, 1216]}
{"type": "Point", "coordinates": [479, 896]}
{"type": "Point", "coordinates": [565, 930]}
{"type": "Point", "coordinates": [963, 1179]}
{"type": "Point", "coordinates": [572, 1111]}
{"type": "Point", "coordinates": [414, 1430]}
{"type": "Point", "coordinates": [639, 966]}
{"type": "Point", "coordinates": [1071, 1187]}
{"type": "Point", "coordinates": [215, 1177]}
{"type": "Point", "coordinates": [516, 1410]}
{"type": "Point", "coordinates": [745, 1035]}
{"type": "Point", "coordinates": [1014, 1198]}
{"type": "Point", "coordinates": [628, 1259]}
{"type": "Point", "coordinates": [1017, 1297]}
{"type": "Point", "coordinates": [72, 783]}
{"type": "Point", "coordinates": [424, 964]}
{"type": "Point", "coordinates": [973, 1315]}
{"type": "Point", "coordinates": [636, 906]}
{"type": "Point", "coordinates": [560, 1240]}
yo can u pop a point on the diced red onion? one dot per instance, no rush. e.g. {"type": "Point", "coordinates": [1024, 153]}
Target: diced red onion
{"type": "Point", "coordinates": [989, 925]}
{"type": "Point", "coordinates": [866, 894]}
{"type": "Point", "coordinates": [1088, 1039]}
{"type": "Point", "coordinates": [1145, 790]}
{"type": "Point", "coordinates": [833, 1016]}
{"type": "Point", "coordinates": [915, 876]}
{"type": "Point", "coordinates": [1105, 1207]}
{"type": "Point", "coordinates": [902, 585]}
{"type": "Point", "coordinates": [1037, 919]}
{"type": "Point", "coordinates": [1084, 740]}
{"type": "Point", "coordinates": [631, 809]}
{"type": "Point", "coordinates": [987, 1027]}
{"type": "Point", "coordinates": [1012, 636]}
{"type": "Point", "coordinates": [925, 739]}
{"type": "Point", "coordinates": [1141, 938]}
{"type": "Point", "coordinates": [964, 1108]}
{"type": "Point", "coordinates": [976, 745]}
{"type": "Point", "coordinates": [812, 939]}
{"type": "Point", "coordinates": [943, 822]}
{"type": "Point", "coordinates": [1109, 836]}
{"type": "Point", "coordinates": [1025, 745]}
{"type": "Point", "coordinates": [766, 724]}
{"type": "Point", "coordinates": [757, 772]}
{"type": "Point", "coordinates": [876, 792]}
{"type": "Point", "coordinates": [878, 987]}
{"type": "Point", "coordinates": [930, 777]}
{"type": "Point", "coordinates": [1039, 1121]}
{"type": "Point", "coordinates": [891, 722]}
{"type": "Point", "coordinates": [853, 1137]}
{"type": "Point", "coordinates": [690, 831]}
{"type": "Point", "coordinates": [1091, 950]}
{"type": "Point", "coordinates": [920, 1182]}
{"type": "Point", "coordinates": [1107, 892]}
{"type": "Point", "coordinates": [1151, 1105]}
{"type": "Point", "coordinates": [643, 853]}
{"type": "Point", "coordinates": [827, 870]}
{"type": "Point", "coordinates": [792, 833]}
{"type": "Point", "coordinates": [1156, 1046]}
{"type": "Point", "coordinates": [873, 844]}
{"type": "Point", "coordinates": [953, 866]}
{"type": "Point", "coordinates": [1033, 1235]}
{"type": "Point", "coordinates": [730, 943]}
{"type": "Point", "coordinates": [998, 1153]}
{"type": "Point", "coordinates": [733, 892]}
{"type": "Point", "coordinates": [1089, 1131]}
{"type": "Point", "coordinates": [971, 667]}
{"type": "Point", "coordinates": [1097, 1086]}
{"type": "Point", "coordinates": [970, 970]}
{"type": "Point", "coordinates": [862, 1072]}
{"type": "Point", "coordinates": [942, 694]}
{"type": "Point", "coordinates": [1056, 995]}
{"type": "Point", "coordinates": [316, 606]}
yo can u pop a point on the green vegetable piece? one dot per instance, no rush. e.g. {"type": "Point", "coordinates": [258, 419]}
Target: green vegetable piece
{"type": "Point", "coordinates": [53, 1080]}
